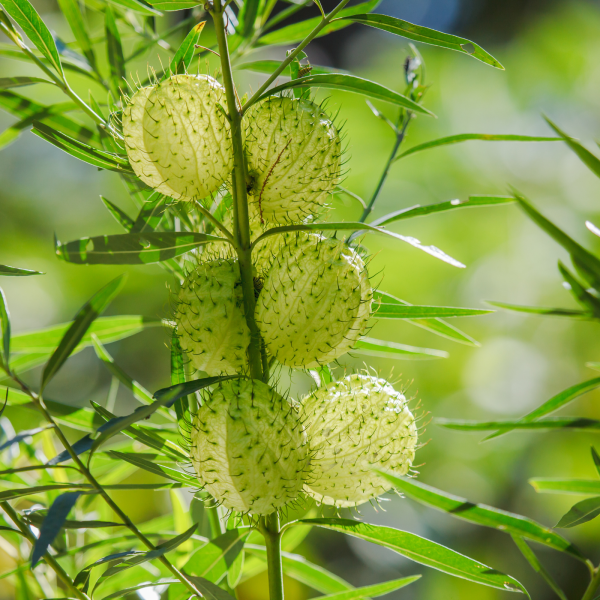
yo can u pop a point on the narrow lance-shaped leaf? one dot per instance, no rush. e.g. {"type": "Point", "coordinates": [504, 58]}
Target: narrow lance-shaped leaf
{"type": "Point", "coordinates": [185, 53]}
{"type": "Point", "coordinates": [423, 551]}
{"type": "Point", "coordinates": [5, 328]}
{"type": "Point", "coordinates": [52, 524]}
{"type": "Point", "coordinates": [372, 591]}
{"type": "Point", "coordinates": [577, 423]}
{"type": "Point", "coordinates": [481, 137]}
{"type": "Point", "coordinates": [114, 50]}
{"type": "Point", "coordinates": [157, 469]}
{"type": "Point", "coordinates": [383, 349]}
{"type": "Point", "coordinates": [425, 35]}
{"type": "Point", "coordinates": [349, 83]}
{"type": "Point", "coordinates": [84, 318]}
{"type": "Point", "coordinates": [22, 435]}
{"type": "Point", "coordinates": [178, 374]}
{"type": "Point", "coordinates": [132, 248]}
{"type": "Point", "coordinates": [583, 297]}
{"type": "Point", "coordinates": [151, 214]}
{"type": "Point", "coordinates": [120, 216]}
{"type": "Point", "coordinates": [247, 17]}
{"type": "Point", "coordinates": [586, 487]}
{"type": "Point", "coordinates": [70, 9]}
{"type": "Point", "coordinates": [396, 311]}
{"type": "Point", "coordinates": [537, 566]}
{"type": "Point", "coordinates": [481, 514]}
{"type": "Point", "coordinates": [37, 31]}
{"type": "Point", "coordinates": [270, 66]}
{"type": "Point", "coordinates": [140, 6]}
{"type": "Point", "coordinates": [580, 513]}
{"type": "Point", "coordinates": [16, 272]}
{"type": "Point", "coordinates": [13, 82]}
{"type": "Point", "coordinates": [596, 459]}
{"type": "Point", "coordinates": [540, 310]}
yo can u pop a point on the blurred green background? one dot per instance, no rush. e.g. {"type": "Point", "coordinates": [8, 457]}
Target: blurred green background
{"type": "Point", "coordinates": [550, 51]}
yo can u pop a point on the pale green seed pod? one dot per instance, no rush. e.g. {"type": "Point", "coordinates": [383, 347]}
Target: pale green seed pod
{"type": "Point", "coordinates": [210, 318]}
{"type": "Point", "coordinates": [315, 302]}
{"type": "Point", "coordinates": [248, 447]}
{"type": "Point", "coordinates": [294, 158]}
{"type": "Point", "coordinates": [354, 425]}
{"type": "Point", "coordinates": [178, 140]}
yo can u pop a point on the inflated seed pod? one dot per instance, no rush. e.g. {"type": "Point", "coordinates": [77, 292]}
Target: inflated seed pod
{"type": "Point", "coordinates": [353, 425]}
{"type": "Point", "coordinates": [315, 302]}
{"type": "Point", "coordinates": [178, 140]}
{"type": "Point", "coordinates": [294, 156]}
{"type": "Point", "coordinates": [210, 318]}
{"type": "Point", "coordinates": [248, 447]}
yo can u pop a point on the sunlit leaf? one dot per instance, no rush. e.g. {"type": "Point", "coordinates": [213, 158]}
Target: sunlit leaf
{"type": "Point", "coordinates": [383, 349]}
{"type": "Point", "coordinates": [537, 566]}
{"type": "Point", "coordinates": [372, 591]}
{"type": "Point", "coordinates": [52, 524]}
{"type": "Point", "coordinates": [132, 248]}
{"type": "Point", "coordinates": [481, 514]}
{"type": "Point", "coordinates": [84, 318]}
{"type": "Point", "coordinates": [349, 83]}
{"type": "Point", "coordinates": [70, 9]}
{"type": "Point", "coordinates": [168, 5]}
{"type": "Point", "coordinates": [81, 580]}
{"type": "Point", "coordinates": [16, 272]}
{"type": "Point", "coordinates": [185, 53]}
{"type": "Point", "coordinates": [465, 137]}
{"type": "Point", "coordinates": [114, 49]}
{"type": "Point", "coordinates": [425, 35]}
{"type": "Point", "coordinates": [423, 551]}
{"type": "Point", "coordinates": [37, 31]}
{"type": "Point", "coordinates": [157, 469]}
{"type": "Point", "coordinates": [151, 214]}
{"type": "Point", "coordinates": [540, 310]}
{"type": "Point", "coordinates": [590, 487]}
{"type": "Point", "coordinates": [580, 513]}
{"type": "Point", "coordinates": [577, 423]}
{"type": "Point", "coordinates": [120, 216]}
{"type": "Point", "coordinates": [178, 374]}
{"type": "Point", "coordinates": [209, 590]}
{"type": "Point", "coordinates": [396, 311]}
{"type": "Point", "coordinates": [141, 7]}
{"type": "Point", "coordinates": [4, 328]}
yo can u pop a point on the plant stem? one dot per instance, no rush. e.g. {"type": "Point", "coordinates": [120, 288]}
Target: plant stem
{"type": "Point", "coordinates": [271, 530]}
{"type": "Point", "coordinates": [48, 558]}
{"type": "Point", "coordinates": [593, 586]}
{"type": "Point", "coordinates": [240, 198]}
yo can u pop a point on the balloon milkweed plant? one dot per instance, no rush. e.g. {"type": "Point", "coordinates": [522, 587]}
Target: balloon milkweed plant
{"type": "Point", "coordinates": [233, 189]}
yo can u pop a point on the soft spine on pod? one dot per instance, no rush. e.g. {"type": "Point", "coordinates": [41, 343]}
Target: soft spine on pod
{"type": "Point", "coordinates": [315, 302]}
{"type": "Point", "coordinates": [353, 425]}
{"type": "Point", "coordinates": [210, 318]}
{"type": "Point", "coordinates": [294, 158]}
{"type": "Point", "coordinates": [248, 447]}
{"type": "Point", "coordinates": [178, 140]}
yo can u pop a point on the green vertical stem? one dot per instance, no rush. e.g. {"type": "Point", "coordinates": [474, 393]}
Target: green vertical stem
{"type": "Point", "coordinates": [590, 593]}
{"type": "Point", "coordinates": [48, 558]}
{"type": "Point", "coordinates": [240, 213]}
{"type": "Point", "coordinates": [271, 530]}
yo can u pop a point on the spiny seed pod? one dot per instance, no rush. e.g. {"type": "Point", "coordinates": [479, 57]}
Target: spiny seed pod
{"type": "Point", "coordinates": [210, 318]}
{"type": "Point", "coordinates": [248, 447]}
{"type": "Point", "coordinates": [178, 140]}
{"type": "Point", "coordinates": [315, 302]}
{"type": "Point", "coordinates": [294, 157]}
{"type": "Point", "coordinates": [353, 425]}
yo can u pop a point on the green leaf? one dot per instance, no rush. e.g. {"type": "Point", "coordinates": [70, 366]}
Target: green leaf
{"type": "Point", "coordinates": [39, 489]}
{"type": "Point", "coordinates": [398, 311]}
{"type": "Point", "coordinates": [35, 29]}
{"type": "Point", "coordinates": [349, 83]}
{"type": "Point", "coordinates": [12, 82]}
{"type": "Point", "coordinates": [114, 50]}
{"type": "Point", "coordinates": [185, 53]}
{"type": "Point", "coordinates": [168, 5]}
{"type": "Point", "coordinates": [151, 214]}
{"type": "Point", "coordinates": [362, 228]}
{"type": "Point", "coordinates": [209, 590]}
{"type": "Point", "coordinates": [247, 17]}
{"type": "Point", "coordinates": [591, 161]}
{"type": "Point", "coordinates": [52, 524]}
{"type": "Point", "coordinates": [590, 487]}
{"type": "Point", "coordinates": [16, 272]}
{"type": "Point", "coordinates": [82, 151]}
{"type": "Point", "coordinates": [81, 581]}
{"type": "Point", "coordinates": [596, 459]}
{"type": "Point", "coordinates": [21, 436]}
{"type": "Point", "coordinates": [423, 551]}
{"type": "Point", "coordinates": [5, 328]}
{"type": "Point", "coordinates": [70, 9]}
{"type": "Point", "coordinates": [178, 375]}
{"type": "Point", "coordinates": [269, 66]}
{"type": "Point", "coordinates": [465, 137]}
{"type": "Point", "coordinates": [580, 513]}
{"type": "Point", "coordinates": [160, 470]}
{"type": "Point", "coordinates": [36, 518]}
{"type": "Point", "coordinates": [436, 326]}
{"type": "Point", "coordinates": [132, 248]}
{"type": "Point", "coordinates": [481, 514]}
{"type": "Point", "coordinates": [379, 589]}
{"type": "Point", "coordinates": [556, 402]}
{"type": "Point", "coordinates": [421, 211]}
{"type": "Point", "coordinates": [586, 263]}
{"type": "Point", "coordinates": [139, 586]}
{"type": "Point", "coordinates": [120, 216]}
{"type": "Point", "coordinates": [583, 297]}
{"type": "Point", "coordinates": [298, 31]}
{"type": "Point", "coordinates": [425, 35]}
{"type": "Point", "coordinates": [139, 6]}
{"type": "Point", "coordinates": [579, 423]}
{"type": "Point", "coordinates": [382, 349]}
{"type": "Point", "coordinates": [540, 310]}
{"type": "Point", "coordinates": [533, 560]}
{"type": "Point", "coordinates": [92, 309]}
{"type": "Point", "coordinates": [175, 392]}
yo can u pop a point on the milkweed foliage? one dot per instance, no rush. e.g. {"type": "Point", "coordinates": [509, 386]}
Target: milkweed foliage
{"type": "Point", "coordinates": [233, 187]}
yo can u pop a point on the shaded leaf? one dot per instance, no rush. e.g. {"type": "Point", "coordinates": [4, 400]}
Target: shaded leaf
{"type": "Point", "coordinates": [583, 297]}
{"type": "Point", "coordinates": [12, 82]}
{"type": "Point", "coordinates": [580, 423]}
{"type": "Point", "coordinates": [70, 9]}
{"type": "Point", "coordinates": [132, 248]}
{"type": "Point", "coordinates": [185, 53]}
{"type": "Point", "coordinates": [580, 513]}
{"type": "Point", "coordinates": [35, 518]}
{"type": "Point", "coordinates": [114, 49]}
{"type": "Point", "coordinates": [270, 66]}
{"type": "Point", "coordinates": [379, 589]}
{"type": "Point", "coordinates": [209, 590]}
{"type": "Point", "coordinates": [120, 216]}
{"type": "Point", "coordinates": [16, 272]}
{"type": "Point", "coordinates": [465, 137]}
{"type": "Point", "coordinates": [423, 551]}
{"type": "Point", "coordinates": [52, 524]}
{"type": "Point", "coordinates": [349, 83]}
{"type": "Point", "coordinates": [4, 328]}
{"type": "Point", "coordinates": [35, 29]}
{"type": "Point", "coordinates": [161, 470]}
{"type": "Point", "coordinates": [82, 578]}
{"type": "Point", "coordinates": [540, 310]}
{"type": "Point", "coordinates": [84, 318]}
{"type": "Point", "coordinates": [22, 435]}
{"type": "Point", "coordinates": [589, 487]}
{"type": "Point", "coordinates": [398, 311]}
{"type": "Point", "coordinates": [481, 514]}
{"type": "Point", "coordinates": [596, 459]}
{"type": "Point", "coordinates": [247, 17]}
{"type": "Point", "coordinates": [151, 214]}
{"type": "Point", "coordinates": [175, 392]}
{"type": "Point", "coordinates": [382, 349]}
{"type": "Point", "coordinates": [425, 35]}
{"type": "Point", "coordinates": [178, 375]}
